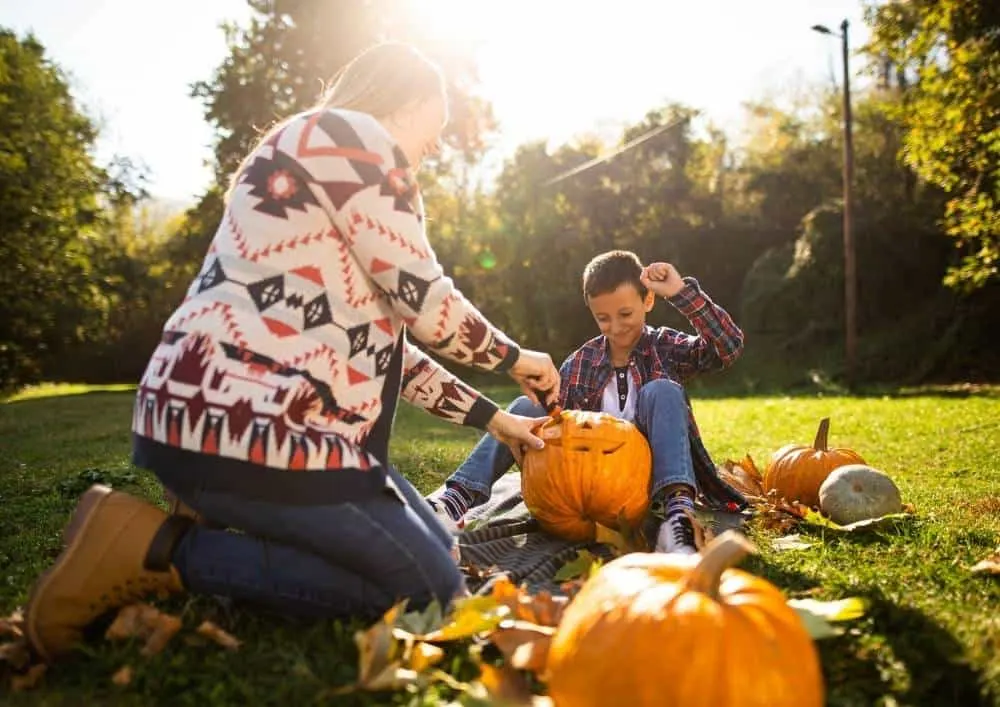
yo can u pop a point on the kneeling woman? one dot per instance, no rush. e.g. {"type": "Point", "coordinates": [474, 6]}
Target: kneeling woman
{"type": "Point", "coordinates": [268, 405]}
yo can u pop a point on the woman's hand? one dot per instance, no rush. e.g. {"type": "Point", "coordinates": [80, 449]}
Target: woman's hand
{"type": "Point", "coordinates": [516, 431]}
{"type": "Point", "coordinates": [534, 372]}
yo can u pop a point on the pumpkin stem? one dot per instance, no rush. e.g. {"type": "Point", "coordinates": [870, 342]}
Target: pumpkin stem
{"type": "Point", "coordinates": [822, 435]}
{"type": "Point", "coordinates": [720, 554]}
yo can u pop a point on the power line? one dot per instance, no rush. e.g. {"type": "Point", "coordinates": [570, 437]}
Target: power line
{"type": "Point", "coordinates": [648, 135]}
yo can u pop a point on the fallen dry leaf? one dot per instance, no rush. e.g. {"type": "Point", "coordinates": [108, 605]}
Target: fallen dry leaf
{"type": "Point", "coordinates": [607, 536]}
{"type": "Point", "coordinates": [12, 625]}
{"type": "Point", "coordinates": [818, 616]}
{"type": "Point", "coordinates": [542, 608]}
{"type": "Point", "coordinates": [525, 645]}
{"type": "Point", "coordinates": [703, 533]}
{"type": "Point", "coordinates": [380, 655]}
{"type": "Point", "coordinates": [423, 656]}
{"type": "Point", "coordinates": [15, 654]}
{"type": "Point", "coordinates": [744, 476]}
{"type": "Point", "coordinates": [213, 633]}
{"type": "Point", "coordinates": [127, 624]}
{"type": "Point", "coordinates": [469, 616]}
{"type": "Point", "coordinates": [144, 622]}
{"type": "Point", "coordinates": [122, 676]}
{"type": "Point", "coordinates": [505, 685]}
{"type": "Point", "coordinates": [791, 542]}
{"type": "Point", "coordinates": [988, 565]}
{"type": "Point", "coordinates": [166, 628]}
{"type": "Point", "coordinates": [30, 679]}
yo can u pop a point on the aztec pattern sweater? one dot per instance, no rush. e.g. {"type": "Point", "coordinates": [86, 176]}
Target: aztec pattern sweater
{"type": "Point", "coordinates": [289, 351]}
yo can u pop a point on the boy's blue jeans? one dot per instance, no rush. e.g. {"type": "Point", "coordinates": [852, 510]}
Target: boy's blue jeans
{"type": "Point", "coordinates": [661, 415]}
{"type": "Point", "coordinates": [350, 559]}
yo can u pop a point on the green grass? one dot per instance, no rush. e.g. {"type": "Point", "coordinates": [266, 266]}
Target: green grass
{"type": "Point", "coordinates": [931, 636]}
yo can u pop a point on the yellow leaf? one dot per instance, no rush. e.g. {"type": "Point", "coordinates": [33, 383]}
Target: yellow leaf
{"type": "Point", "coordinates": [424, 655]}
{"type": "Point", "coordinates": [468, 617]}
{"type": "Point", "coordinates": [817, 615]}
{"type": "Point", "coordinates": [607, 536]}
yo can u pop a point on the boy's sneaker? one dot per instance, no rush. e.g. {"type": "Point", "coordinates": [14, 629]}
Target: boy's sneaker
{"type": "Point", "coordinates": [676, 535]}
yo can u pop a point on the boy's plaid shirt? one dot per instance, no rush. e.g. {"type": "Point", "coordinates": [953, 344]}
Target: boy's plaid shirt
{"type": "Point", "coordinates": [666, 353]}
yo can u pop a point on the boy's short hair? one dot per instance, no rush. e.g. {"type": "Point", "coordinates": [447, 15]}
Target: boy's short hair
{"type": "Point", "coordinates": [608, 271]}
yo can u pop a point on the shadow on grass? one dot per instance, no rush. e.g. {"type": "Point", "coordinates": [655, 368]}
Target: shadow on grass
{"type": "Point", "coordinates": [924, 661]}
{"type": "Point", "coordinates": [939, 673]}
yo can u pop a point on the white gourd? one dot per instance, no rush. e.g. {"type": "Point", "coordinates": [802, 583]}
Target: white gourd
{"type": "Point", "coordinates": [857, 492]}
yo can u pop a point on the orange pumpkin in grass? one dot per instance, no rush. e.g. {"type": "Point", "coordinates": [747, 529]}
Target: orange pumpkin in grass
{"type": "Point", "coordinates": [797, 471]}
{"type": "Point", "coordinates": [655, 629]}
{"type": "Point", "coordinates": [594, 469]}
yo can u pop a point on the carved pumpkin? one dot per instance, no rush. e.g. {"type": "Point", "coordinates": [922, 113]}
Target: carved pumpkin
{"type": "Point", "coordinates": [797, 471]}
{"type": "Point", "coordinates": [658, 629]}
{"type": "Point", "coordinates": [594, 469]}
{"type": "Point", "coordinates": [857, 492]}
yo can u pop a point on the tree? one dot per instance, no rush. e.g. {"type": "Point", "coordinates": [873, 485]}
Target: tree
{"type": "Point", "coordinates": [948, 55]}
{"type": "Point", "coordinates": [280, 62]}
{"type": "Point", "coordinates": [49, 188]}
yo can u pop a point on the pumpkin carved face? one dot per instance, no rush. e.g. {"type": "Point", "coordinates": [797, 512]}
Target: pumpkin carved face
{"type": "Point", "coordinates": [797, 471]}
{"type": "Point", "coordinates": [657, 629]}
{"type": "Point", "coordinates": [594, 469]}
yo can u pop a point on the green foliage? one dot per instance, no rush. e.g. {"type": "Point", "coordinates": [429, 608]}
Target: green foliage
{"type": "Point", "coordinates": [281, 61]}
{"type": "Point", "coordinates": [88, 276]}
{"type": "Point", "coordinates": [948, 54]}
{"type": "Point", "coordinates": [48, 188]}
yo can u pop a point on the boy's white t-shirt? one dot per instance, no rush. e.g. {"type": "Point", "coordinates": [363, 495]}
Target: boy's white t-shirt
{"type": "Point", "coordinates": [611, 399]}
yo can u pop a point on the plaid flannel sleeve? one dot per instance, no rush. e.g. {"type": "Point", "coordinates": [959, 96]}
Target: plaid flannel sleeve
{"type": "Point", "coordinates": [716, 346]}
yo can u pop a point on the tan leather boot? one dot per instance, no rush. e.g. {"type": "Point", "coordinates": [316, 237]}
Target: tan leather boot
{"type": "Point", "coordinates": [117, 551]}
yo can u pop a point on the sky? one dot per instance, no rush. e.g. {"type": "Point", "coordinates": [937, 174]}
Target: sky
{"type": "Point", "coordinates": [131, 64]}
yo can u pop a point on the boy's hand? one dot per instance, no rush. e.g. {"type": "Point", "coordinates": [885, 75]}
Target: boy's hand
{"type": "Point", "coordinates": [516, 431]}
{"type": "Point", "coordinates": [535, 371]}
{"type": "Point", "coordinates": [662, 279]}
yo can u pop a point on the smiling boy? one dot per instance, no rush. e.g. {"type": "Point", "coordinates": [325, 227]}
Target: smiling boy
{"type": "Point", "coordinates": [634, 372]}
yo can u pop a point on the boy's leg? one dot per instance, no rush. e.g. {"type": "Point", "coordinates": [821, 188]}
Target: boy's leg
{"type": "Point", "coordinates": [662, 416]}
{"type": "Point", "coordinates": [471, 484]}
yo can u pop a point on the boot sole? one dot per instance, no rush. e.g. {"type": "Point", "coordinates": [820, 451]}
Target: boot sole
{"type": "Point", "coordinates": [86, 508]}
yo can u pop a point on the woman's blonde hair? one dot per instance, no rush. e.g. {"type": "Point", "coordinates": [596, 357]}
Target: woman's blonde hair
{"type": "Point", "coordinates": [379, 81]}
{"type": "Point", "coordinates": [383, 79]}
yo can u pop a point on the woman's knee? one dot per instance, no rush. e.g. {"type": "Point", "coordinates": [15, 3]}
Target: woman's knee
{"type": "Point", "coordinates": [522, 405]}
{"type": "Point", "coordinates": [439, 580]}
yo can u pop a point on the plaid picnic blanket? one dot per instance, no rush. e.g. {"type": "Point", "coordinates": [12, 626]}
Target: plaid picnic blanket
{"type": "Point", "coordinates": [501, 538]}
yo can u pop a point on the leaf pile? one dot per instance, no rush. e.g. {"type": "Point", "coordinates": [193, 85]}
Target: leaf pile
{"type": "Point", "coordinates": [402, 650]}
{"type": "Point", "coordinates": [139, 622]}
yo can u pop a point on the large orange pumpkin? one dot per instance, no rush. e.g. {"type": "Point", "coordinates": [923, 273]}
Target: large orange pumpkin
{"type": "Point", "coordinates": [594, 469]}
{"type": "Point", "coordinates": [797, 471]}
{"type": "Point", "coordinates": [656, 629]}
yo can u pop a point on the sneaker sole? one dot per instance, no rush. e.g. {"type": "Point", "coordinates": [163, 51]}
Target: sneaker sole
{"type": "Point", "coordinates": [86, 508]}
